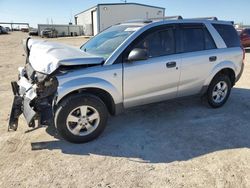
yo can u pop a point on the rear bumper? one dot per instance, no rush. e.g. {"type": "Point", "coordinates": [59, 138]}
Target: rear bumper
{"type": "Point", "coordinates": [240, 74]}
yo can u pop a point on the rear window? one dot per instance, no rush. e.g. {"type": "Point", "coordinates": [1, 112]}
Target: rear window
{"type": "Point", "coordinates": [228, 34]}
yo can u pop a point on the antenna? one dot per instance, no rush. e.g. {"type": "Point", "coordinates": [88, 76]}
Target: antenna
{"type": "Point", "coordinates": [124, 1]}
{"type": "Point", "coordinates": [70, 18]}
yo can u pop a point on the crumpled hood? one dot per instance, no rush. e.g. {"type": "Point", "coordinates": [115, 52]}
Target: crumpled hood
{"type": "Point", "coordinates": [46, 57]}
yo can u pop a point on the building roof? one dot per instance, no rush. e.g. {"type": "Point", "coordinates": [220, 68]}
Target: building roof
{"type": "Point", "coordinates": [59, 25]}
{"type": "Point", "coordinates": [110, 4]}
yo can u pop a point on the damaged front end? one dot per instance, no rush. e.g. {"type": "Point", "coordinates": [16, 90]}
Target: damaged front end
{"type": "Point", "coordinates": [34, 93]}
{"type": "Point", "coordinates": [37, 85]}
{"type": "Point", "coordinates": [33, 97]}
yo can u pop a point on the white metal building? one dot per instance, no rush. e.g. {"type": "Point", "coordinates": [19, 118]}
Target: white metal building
{"type": "Point", "coordinates": [62, 30]}
{"type": "Point", "coordinates": [101, 16]}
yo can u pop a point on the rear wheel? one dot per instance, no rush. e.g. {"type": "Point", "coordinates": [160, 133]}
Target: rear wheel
{"type": "Point", "coordinates": [219, 91]}
{"type": "Point", "coordinates": [81, 118]}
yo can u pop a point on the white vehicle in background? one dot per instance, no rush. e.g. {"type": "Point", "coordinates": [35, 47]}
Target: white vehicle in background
{"type": "Point", "coordinates": [49, 33]}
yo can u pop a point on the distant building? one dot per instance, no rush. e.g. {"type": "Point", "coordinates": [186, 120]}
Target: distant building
{"type": "Point", "coordinates": [102, 16]}
{"type": "Point", "coordinates": [62, 30]}
{"type": "Point", "coordinates": [241, 26]}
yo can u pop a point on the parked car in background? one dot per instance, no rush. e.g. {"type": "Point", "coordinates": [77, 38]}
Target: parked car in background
{"type": "Point", "coordinates": [33, 32]}
{"type": "Point", "coordinates": [16, 29]}
{"type": "Point", "coordinates": [3, 30]}
{"type": "Point", "coordinates": [124, 66]}
{"type": "Point", "coordinates": [49, 33]}
{"type": "Point", "coordinates": [245, 37]}
{"type": "Point", "coordinates": [26, 30]}
{"type": "Point", "coordinates": [7, 29]}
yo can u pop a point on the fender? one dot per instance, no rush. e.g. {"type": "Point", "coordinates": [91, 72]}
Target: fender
{"type": "Point", "coordinates": [218, 68]}
{"type": "Point", "coordinates": [87, 82]}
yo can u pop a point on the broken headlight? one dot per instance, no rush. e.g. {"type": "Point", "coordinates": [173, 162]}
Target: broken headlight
{"type": "Point", "coordinates": [47, 88]}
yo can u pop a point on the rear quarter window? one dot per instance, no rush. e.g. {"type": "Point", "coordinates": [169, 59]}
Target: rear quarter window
{"type": "Point", "coordinates": [228, 34]}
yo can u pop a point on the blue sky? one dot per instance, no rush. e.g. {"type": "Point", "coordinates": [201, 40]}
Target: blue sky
{"type": "Point", "coordinates": [60, 11]}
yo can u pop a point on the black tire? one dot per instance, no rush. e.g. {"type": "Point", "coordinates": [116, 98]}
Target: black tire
{"type": "Point", "coordinates": [72, 102]}
{"type": "Point", "coordinates": [218, 79]}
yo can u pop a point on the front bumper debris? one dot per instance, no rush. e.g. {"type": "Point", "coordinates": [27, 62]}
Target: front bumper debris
{"type": "Point", "coordinates": [24, 93]}
{"type": "Point", "coordinates": [21, 104]}
{"type": "Point", "coordinates": [33, 100]}
{"type": "Point", "coordinates": [16, 111]}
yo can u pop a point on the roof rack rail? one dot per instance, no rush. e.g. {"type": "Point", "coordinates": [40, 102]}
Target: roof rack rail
{"type": "Point", "coordinates": [137, 20]}
{"type": "Point", "coordinates": [149, 20]}
{"type": "Point", "coordinates": [167, 18]}
{"type": "Point", "coordinates": [206, 18]}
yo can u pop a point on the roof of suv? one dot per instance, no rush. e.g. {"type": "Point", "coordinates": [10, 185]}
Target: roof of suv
{"type": "Point", "coordinates": [177, 19]}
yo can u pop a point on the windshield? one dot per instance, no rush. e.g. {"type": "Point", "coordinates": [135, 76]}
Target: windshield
{"type": "Point", "coordinates": [105, 43]}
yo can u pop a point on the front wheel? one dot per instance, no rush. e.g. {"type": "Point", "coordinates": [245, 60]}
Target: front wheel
{"type": "Point", "coordinates": [81, 118]}
{"type": "Point", "coordinates": [219, 91]}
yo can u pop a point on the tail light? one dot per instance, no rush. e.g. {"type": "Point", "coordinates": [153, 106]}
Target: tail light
{"type": "Point", "coordinates": [244, 54]}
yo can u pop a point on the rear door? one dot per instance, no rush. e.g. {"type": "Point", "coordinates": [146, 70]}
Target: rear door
{"type": "Point", "coordinates": [199, 54]}
{"type": "Point", "coordinates": [157, 77]}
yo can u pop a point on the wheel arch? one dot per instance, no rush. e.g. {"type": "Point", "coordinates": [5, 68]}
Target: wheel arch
{"type": "Point", "coordinates": [226, 68]}
{"type": "Point", "coordinates": [102, 94]}
{"type": "Point", "coordinates": [101, 88]}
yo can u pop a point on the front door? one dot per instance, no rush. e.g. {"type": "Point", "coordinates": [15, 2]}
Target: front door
{"type": "Point", "coordinates": [157, 77]}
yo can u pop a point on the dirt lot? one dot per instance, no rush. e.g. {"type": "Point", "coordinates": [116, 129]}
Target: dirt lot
{"type": "Point", "coordinates": [172, 144]}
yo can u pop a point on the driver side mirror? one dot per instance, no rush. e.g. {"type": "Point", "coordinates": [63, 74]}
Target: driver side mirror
{"type": "Point", "coordinates": [138, 54]}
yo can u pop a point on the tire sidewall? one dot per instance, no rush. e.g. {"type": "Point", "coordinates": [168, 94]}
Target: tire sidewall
{"type": "Point", "coordinates": [215, 81]}
{"type": "Point", "coordinates": [72, 102]}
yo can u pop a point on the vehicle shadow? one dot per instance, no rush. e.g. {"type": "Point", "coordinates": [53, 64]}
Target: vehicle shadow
{"type": "Point", "coordinates": [170, 131]}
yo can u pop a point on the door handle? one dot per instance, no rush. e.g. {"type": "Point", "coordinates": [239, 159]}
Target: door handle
{"type": "Point", "coordinates": [212, 58]}
{"type": "Point", "coordinates": [171, 64]}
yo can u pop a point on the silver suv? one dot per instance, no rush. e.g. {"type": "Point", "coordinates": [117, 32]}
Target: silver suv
{"type": "Point", "coordinates": [127, 65]}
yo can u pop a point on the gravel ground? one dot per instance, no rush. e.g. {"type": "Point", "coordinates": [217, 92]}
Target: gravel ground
{"type": "Point", "coordinates": [171, 144]}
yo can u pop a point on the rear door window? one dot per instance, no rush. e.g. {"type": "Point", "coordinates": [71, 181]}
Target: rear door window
{"type": "Point", "coordinates": [228, 34]}
{"type": "Point", "coordinates": [195, 38]}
